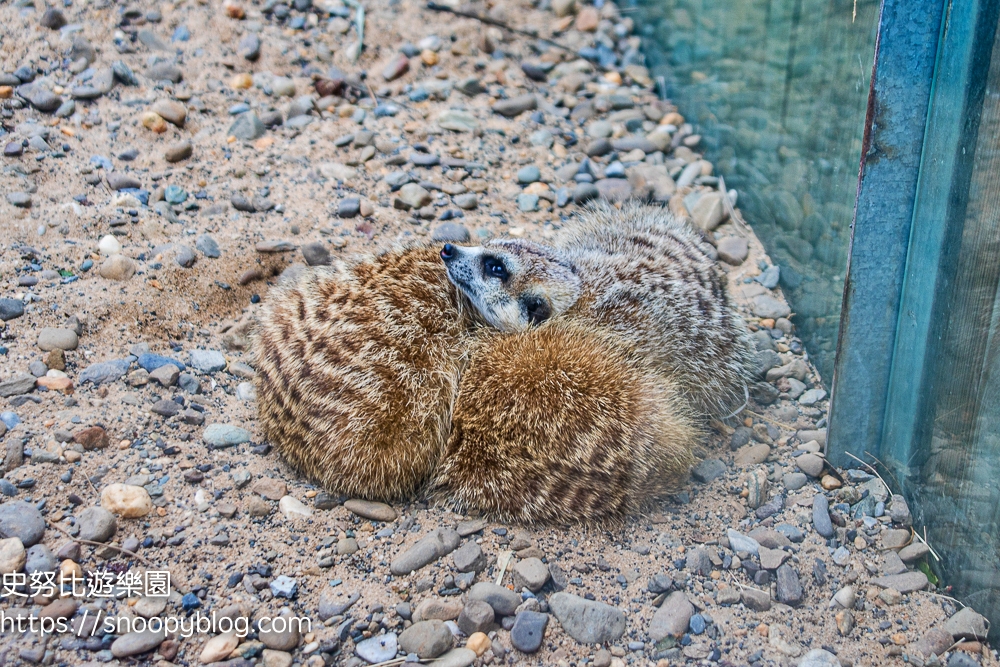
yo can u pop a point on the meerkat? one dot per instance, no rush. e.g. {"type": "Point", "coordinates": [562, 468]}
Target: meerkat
{"type": "Point", "coordinates": [562, 423]}
{"type": "Point", "coordinates": [638, 271]}
{"type": "Point", "coordinates": [358, 367]}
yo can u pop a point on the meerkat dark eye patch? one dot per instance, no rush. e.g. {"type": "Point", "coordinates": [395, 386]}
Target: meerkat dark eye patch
{"type": "Point", "coordinates": [536, 309]}
{"type": "Point", "coordinates": [494, 268]}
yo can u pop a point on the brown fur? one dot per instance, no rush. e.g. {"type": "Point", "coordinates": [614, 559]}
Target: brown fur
{"type": "Point", "coordinates": [358, 366]}
{"type": "Point", "coordinates": [561, 423]}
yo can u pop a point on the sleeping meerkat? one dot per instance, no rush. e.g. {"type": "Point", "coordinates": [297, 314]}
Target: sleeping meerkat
{"type": "Point", "coordinates": [638, 271]}
{"type": "Point", "coordinates": [562, 423]}
{"type": "Point", "coordinates": [358, 366]}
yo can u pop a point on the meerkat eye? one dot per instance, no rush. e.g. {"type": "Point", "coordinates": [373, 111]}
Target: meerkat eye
{"type": "Point", "coordinates": [494, 268]}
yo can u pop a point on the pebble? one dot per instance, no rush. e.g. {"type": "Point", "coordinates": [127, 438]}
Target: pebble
{"type": "Point", "coordinates": [178, 151]}
{"type": "Point", "coordinates": [396, 68]}
{"type": "Point", "coordinates": [19, 199]}
{"type": "Point", "coordinates": [707, 470]}
{"type": "Point", "coordinates": [12, 555]}
{"type": "Point", "coordinates": [476, 616]}
{"type": "Point", "coordinates": [19, 384]}
{"type": "Point", "coordinates": [811, 464]}
{"type": "Point", "coordinates": [934, 641]}
{"type": "Point", "coordinates": [293, 508]}
{"type": "Point", "coordinates": [117, 267]}
{"type": "Point", "coordinates": [427, 639]}
{"type": "Point", "coordinates": [316, 254]}
{"type": "Point", "coordinates": [528, 631]}
{"type": "Point", "coordinates": [451, 231]}
{"type": "Point", "coordinates": [503, 600]}
{"type": "Point", "coordinates": [527, 202]}
{"type": "Point", "coordinates": [412, 195]}
{"type": "Point", "coordinates": [818, 658]}
{"type": "Point", "coordinates": [767, 307]}
{"type": "Point", "coordinates": [249, 47]}
{"type": "Point", "coordinates": [751, 455]}
{"type": "Point", "coordinates": [672, 618]}
{"type": "Point", "coordinates": [469, 557]}
{"type": "Point", "coordinates": [136, 643]}
{"type": "Point", "coordinates": [439, 542]}
{"type": "Point", "coordinates": [207, 361]}
{"type": "Point", "coordinates": [788, 589]}
{"type": "Point", "coordinates": [224, 435]}
{"type": "Point", "coordinates": [967, 624]}
{"type": "Point", "coordinates": [23, 521]}
{"type": "Point", "coordinates": [456, 657]}
{"type": "Point", "coordinates": [515, 106]}
{"type": "Point", "coordinates": [739, 542]}
{"type": "Point", "coordinates": [530, 573]}
{"type": "Point", "coordinates": [821, 516]}
{"type": "Point", "coordinates": [794, 481]}
{"type": "Point", "coordinates": [587, 621]}
{"type": "Point", "coordinates": [219, 647]}
{"type": "Point", "coordinates": [284, 640]}
{"type": "Point", "coordinates": [97, 524]}
{"type": "Point", "coordinates": [377, 649]}
{"type": "Point", "coordinates": [369, 509]}
{"type": "Point", "coordinates": [733, 249]}
{"type": "Point", "coordinates": [457, 121]}
{"type": "Point", "coordinates": [906, 582]}
{"type": "Point", "coordinates": [11, 309]}
{"type": "Point", "coordinates": [127, 501]}
{"type": "Point", "coordinates": [247, 127]}
{"type": "Point", "coordinates": [755, 599]}
{"type": "Point", "coordinates": [284, 586]}
{"type": "Point", "coordinates": [528, 174]}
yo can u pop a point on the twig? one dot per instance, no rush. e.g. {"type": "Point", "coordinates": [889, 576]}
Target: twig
{"type": "Point", "coordinates": [434, 6]}
{"type": "Point", "coordinates": [923, 538]}
{"type": "Point", "coordinates": [98, 544]}
{"type": "Point", "coordinates": [787, 427]}
{"type": "Point", "coordinates": [359, 26]}
{"type": "Point", "coordinates": [503, 561]}
{"type": "Point", "coordinates": [734, 215]}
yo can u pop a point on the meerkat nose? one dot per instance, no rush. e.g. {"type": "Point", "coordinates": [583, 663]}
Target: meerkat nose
{"type": "Point", "coordinates": [448, 252]}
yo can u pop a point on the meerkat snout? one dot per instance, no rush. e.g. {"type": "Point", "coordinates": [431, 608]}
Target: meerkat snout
{"type": "Point", "coordinates": [513, 284]}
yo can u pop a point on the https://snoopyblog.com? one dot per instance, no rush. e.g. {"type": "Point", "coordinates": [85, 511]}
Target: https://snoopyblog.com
{"type": "Point", "coordinates": [95, 623]}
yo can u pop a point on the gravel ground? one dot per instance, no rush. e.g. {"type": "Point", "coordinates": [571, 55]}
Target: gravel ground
{"type": "Point", "coordinates": [164, 163]}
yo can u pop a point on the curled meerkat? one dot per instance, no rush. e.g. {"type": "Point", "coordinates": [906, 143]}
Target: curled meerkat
{"type": "Point", "coordinates": [638, 271]}
{"type": "Point", "coordinates": [563, 423]}
{"type": "Point", "coordinates": [358, 366]}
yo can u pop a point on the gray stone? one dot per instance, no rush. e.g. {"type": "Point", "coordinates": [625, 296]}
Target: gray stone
{"type": "Point", "coordinates": [819, 658]}
{"type": "Point", "coordinates": [166, 375]}
{"type": "Point", "coordinates": [811, 464]}
{"type": "Point", "coordinates": [934, 642]}
{"type": "Point", "coordinates": [528, 174]}
{"type": "Point", "coordinates": [468, 201]}
{"type": "Point", "coordinates": [528, 631]}
{"type": "Point", "coordinates": [224, 435]}
{"type": "Point", "coordinates": [247, 127]}
{"type": "Point", "coordinates": [207, 246]}
{"type": "Point", "coordinates": [136, 643]}
{"type": "Point", "coordinates": [740, 542]}
{"type": "Point", "coordinates": [177, 151]}
{"type": "Point", "coordinates": [794, 481]}
{"type": "Point", "coordinates": [97, 524]}
{"type": "Point", "coordinates": [587, 621]}
{"type": "Point", "coordinates": [733, 250]}
{"type": "Point", "coordinates": [377, 649]}
{"type": "Point", "coordinates": [286, 639]}
{"type": "Point", "coordinates": [469, 558]}
{"type": "Point", "coordinates": [767, 307]}
{"type": "Point", "coordinates": [451, 231]}
{"type": "Point", "coordinates": [821, 516]}
{"type": "Point", "coordinates": [121, 181]}
{"type": "Point", "coordinates": [207, 361]}
{"type": "Point", "coordinates": [584, 192]}
{"type": "Point", "coordinates": [672, 618]}
{"type": "Point", "coordinates": [457, 121]}
{"type": "Point", "coordinates": [43, 99]}
{"type": "Point", "coordinates": [105, 372]}
{"type": "Point", "coordinates": [456, 657]}
{"type": "Point", "coordinates": [19, 199]}
{"type": "Point", "coordinates": [892, 564]}
{"type": "Point", "coordinates": [439, 542]}
{"type": "Point", "coordinates": [428, 639]}
{"type": "Point", "coordinates": [316, 254]}
{"type": "Point", "coordinates": [331, 604]}
{"type": "Point", "coordinates": [184, 256]}
{"type": "Point", "coordinates": [476, 616]}
{"type": "Point", "coordinates": [19, 384]}
{"type": "Point", "coordinates": [914, 552]}
{"type": "Point", "coordinates": [39, 558]}
{"type": "Point", "coordinates": [412, 195]}
{"type": "Point", "coordinates": [515, 105]}
{"type": "Point", "coordinates": [165, 407]}
{"type": "Point", "coordinates": [788, 589]}
{"type": "Point", "coordinates": [906, 582]}
{"type": "Point", "coordinates": [504, 601]}
{"type": "Point", "coordinates": [967, 624]}
{"type": "Point", "coordinates": [22, 520]}
{"type": "Point", "coordinates": [755, 599]}
{"type": "Point", "coordinates": [530, 573]}
{"type": "Point", "coordinates": [11, 309]}
{"type": "Point", "coordinates": [249, 47]}
{"type": "Point", "coordinates": [899, 511]}
{"type": "Point", "coordinates": [707, 470]}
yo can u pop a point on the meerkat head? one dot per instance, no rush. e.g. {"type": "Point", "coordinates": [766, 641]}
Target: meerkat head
{"type": "Point", "coordinates": [513, 284]}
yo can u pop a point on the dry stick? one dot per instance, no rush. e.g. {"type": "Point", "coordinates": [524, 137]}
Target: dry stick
{"type": "Point", "coordinates": [506, 557]}
{"type": "Point", "coordinates": [734, 215]}
{"type": "Point", "coordinates": [495, 22]}
{"type": "Point", "coordinates": [787, 427]}
{"type": "Point", "coordinates": [98, 544]}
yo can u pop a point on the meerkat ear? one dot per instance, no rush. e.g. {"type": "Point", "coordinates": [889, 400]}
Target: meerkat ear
{"type": "Point", "coordinates": [536, 308]}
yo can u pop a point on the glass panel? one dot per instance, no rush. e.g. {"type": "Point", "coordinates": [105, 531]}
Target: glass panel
{"type": "Point", "coordinates": [778, 91]}
{"type": "Point", "coordinates": [950, 471]}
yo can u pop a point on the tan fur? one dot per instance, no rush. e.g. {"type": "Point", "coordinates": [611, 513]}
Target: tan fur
{"type": "Point", "coordinates": [357, 369]}
{"type": "Point", "coordinates": [643, 274]}
{"type": "Point", "coordinates": [561, 423]}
